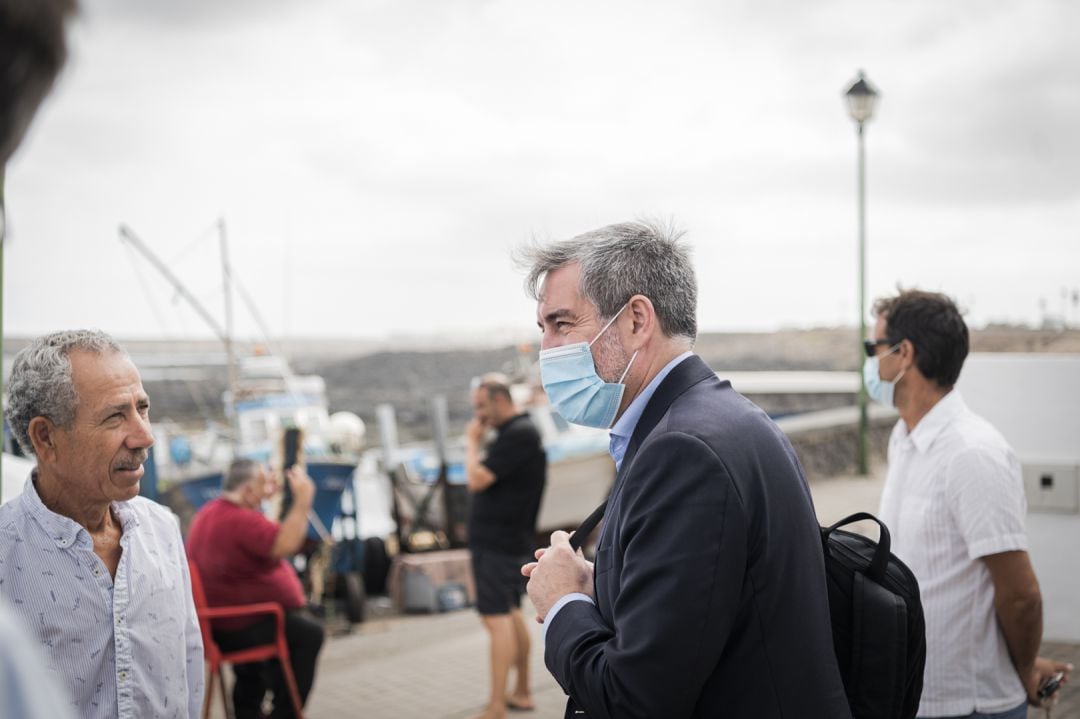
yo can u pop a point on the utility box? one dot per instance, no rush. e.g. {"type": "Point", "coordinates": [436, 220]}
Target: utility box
{"type": "Point", "coordinates": [1052, 487]}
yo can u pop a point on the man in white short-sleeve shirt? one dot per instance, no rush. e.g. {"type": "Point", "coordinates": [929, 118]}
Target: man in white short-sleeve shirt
{"type": "Point", "coordinates": [954, 503]}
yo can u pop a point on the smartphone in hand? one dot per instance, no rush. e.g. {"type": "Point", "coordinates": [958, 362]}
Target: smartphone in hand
{"type": "Point", "coordinates": [292, 448]}
{"type": "Point", "coordinates": [1050, 686]}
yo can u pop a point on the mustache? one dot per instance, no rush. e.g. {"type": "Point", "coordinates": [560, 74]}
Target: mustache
{"type": "Point", "coordinates": [133, 461]}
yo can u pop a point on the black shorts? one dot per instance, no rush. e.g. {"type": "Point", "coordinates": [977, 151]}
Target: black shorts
{"type": "Point", "coordinates": [499, 582]}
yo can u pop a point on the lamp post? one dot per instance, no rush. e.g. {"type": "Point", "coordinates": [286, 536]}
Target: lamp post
{"type": "Point", "coordinates": [861, 97]}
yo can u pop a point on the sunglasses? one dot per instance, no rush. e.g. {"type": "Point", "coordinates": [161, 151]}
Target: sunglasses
{"type": "Point", "coordinates": [871, 346]}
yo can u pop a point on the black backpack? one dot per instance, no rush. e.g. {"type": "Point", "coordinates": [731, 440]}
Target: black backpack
{"type": "Point", "coordinates": [879, 634]}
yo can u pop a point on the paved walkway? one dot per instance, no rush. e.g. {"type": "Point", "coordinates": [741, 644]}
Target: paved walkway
{"type": "Point", "coordinates": [435, 667]}
{"type": "Point", "coordinates": [422, 666]}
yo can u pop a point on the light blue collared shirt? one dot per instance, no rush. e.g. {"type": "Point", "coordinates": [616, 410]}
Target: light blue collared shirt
{"type": "Point", "coordinates": [624, 428]}
{"type": "Point", "coordinates": [127, 647]}
{"type": "Point", "coordinates": [620, 440]}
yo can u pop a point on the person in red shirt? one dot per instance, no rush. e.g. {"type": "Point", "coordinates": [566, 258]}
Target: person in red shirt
{"type": "Point", "coordinates": [241, 557]}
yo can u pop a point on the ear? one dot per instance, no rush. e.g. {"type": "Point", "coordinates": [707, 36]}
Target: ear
{"type": "Point", "coordinates": [907, 351]}
{"type": "Point", "coordinates": [43, 436]}
{"type": "Point", "coordinates": [642, 314]}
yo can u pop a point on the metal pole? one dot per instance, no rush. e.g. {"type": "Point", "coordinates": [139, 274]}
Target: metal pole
{"type": "Point", "coordinates": [862, 455]}
{"type": "Point", "coordinates": [230, 355]}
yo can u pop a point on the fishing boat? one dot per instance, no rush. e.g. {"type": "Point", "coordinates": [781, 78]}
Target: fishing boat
{"type": "Point", "coordinates": [263, 399]}
{"type": "Point", "coordinates": [267, 399]}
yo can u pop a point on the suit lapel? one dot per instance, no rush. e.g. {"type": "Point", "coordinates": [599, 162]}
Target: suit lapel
{"type": "Point", "coordinates": [686, 374]}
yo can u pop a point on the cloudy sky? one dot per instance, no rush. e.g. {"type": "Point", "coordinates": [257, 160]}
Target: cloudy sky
{"type": "Point", "coordinates": [377, 162]}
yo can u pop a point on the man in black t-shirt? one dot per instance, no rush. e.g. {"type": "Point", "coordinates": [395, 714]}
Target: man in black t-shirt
{"type": "Point", "coordinates": [505, 487]}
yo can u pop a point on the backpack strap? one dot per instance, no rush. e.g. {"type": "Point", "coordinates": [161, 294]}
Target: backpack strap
{"type": "Point", "coordinates": [881, 554]}
{"type": "Point", "coordinates": [582, 532]}
{"type": "Point", "coordinates": [877, 565]}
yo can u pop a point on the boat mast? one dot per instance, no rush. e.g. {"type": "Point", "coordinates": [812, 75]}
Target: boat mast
{"type": "Point", "coordinates": [230, 355]}
{"type": "Point", "coordinates": [126, 235]}
{"type": "Point", "coordinates": [223, 334]}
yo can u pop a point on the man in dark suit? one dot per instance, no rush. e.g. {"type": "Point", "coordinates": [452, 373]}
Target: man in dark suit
{"type": "Point", "coordinates": [708, 594]}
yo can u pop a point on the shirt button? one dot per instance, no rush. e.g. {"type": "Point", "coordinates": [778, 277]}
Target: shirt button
{"type": "Point", "coordinates": [97, 572]}
{"type": "Point", "coordinates": [123, 675]}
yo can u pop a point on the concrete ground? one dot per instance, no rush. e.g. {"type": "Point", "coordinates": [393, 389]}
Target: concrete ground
{"type": "Point", "coordinates": [436, 666]}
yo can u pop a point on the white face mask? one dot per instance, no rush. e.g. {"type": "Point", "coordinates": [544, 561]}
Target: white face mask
{"type": "Point", "coordinates": [880, 390]}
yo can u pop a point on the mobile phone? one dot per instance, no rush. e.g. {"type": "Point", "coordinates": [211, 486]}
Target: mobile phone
{"type": "Point", "coordinates": [291, 445]}
{"type": "Point", "coordinates": [292, 448]}
{"type": "Point", "coordinates": [1052, 685]}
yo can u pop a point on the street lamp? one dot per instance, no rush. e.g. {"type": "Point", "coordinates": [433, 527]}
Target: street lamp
{"type": "Point", "coordinates": [861, 97]}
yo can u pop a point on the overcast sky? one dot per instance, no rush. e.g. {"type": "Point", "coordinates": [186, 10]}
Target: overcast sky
{"type": "Point", "coordinates": [377, 162]}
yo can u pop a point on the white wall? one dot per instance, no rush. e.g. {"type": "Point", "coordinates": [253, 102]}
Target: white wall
{"type": "Point", "coordinates": [1033, 400]}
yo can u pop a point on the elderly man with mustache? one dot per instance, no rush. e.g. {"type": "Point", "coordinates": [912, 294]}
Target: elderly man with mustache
{"type": "Point", "coordinates": [97, 572]}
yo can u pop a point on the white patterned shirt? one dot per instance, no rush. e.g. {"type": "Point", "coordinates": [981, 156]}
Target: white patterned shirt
{"type": "Point", "coordinates": [127, 648]}
{"type": "Point", "coordinates": [954, 493]}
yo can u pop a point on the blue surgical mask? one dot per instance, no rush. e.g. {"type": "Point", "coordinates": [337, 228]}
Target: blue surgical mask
{"type": "Point", "coordinates": [878, 389]}
{"type": "Point", "coordinates": [575, 389]}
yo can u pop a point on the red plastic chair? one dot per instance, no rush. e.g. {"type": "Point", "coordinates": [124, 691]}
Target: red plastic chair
{"type": "Point", "coordinates": [263, 652]}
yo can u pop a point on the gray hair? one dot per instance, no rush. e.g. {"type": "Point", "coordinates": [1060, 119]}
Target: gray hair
{"type": "Point", "coordinates": [41, 383]}
{"type": "Point", "coordinates": [623, 260]}
{"type": "Point", "coordinates": [240, 472]}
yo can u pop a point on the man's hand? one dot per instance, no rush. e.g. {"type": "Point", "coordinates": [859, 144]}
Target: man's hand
{"type": "Point", "coordinates": [475, 430]}
{"type": "Point", "coordinates": [477, 476]}
{"type": "Point", "coordinates": [558, 571]}
{"type": "Point", "coordinates": [293, 529]}
{"type": "Point", "coordinates": [303, 489]}
{"type": "Point", "coordinates": [1041, 673]}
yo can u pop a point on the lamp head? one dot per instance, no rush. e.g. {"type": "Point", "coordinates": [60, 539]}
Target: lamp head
{"type": "Point", "coordinates": [861, 98]}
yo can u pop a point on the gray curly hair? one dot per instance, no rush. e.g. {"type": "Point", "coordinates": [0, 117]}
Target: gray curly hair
{"type": "Point", "coordinates": [41, 384]}
{"type": "Point", "coordinates": [620, 261]}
